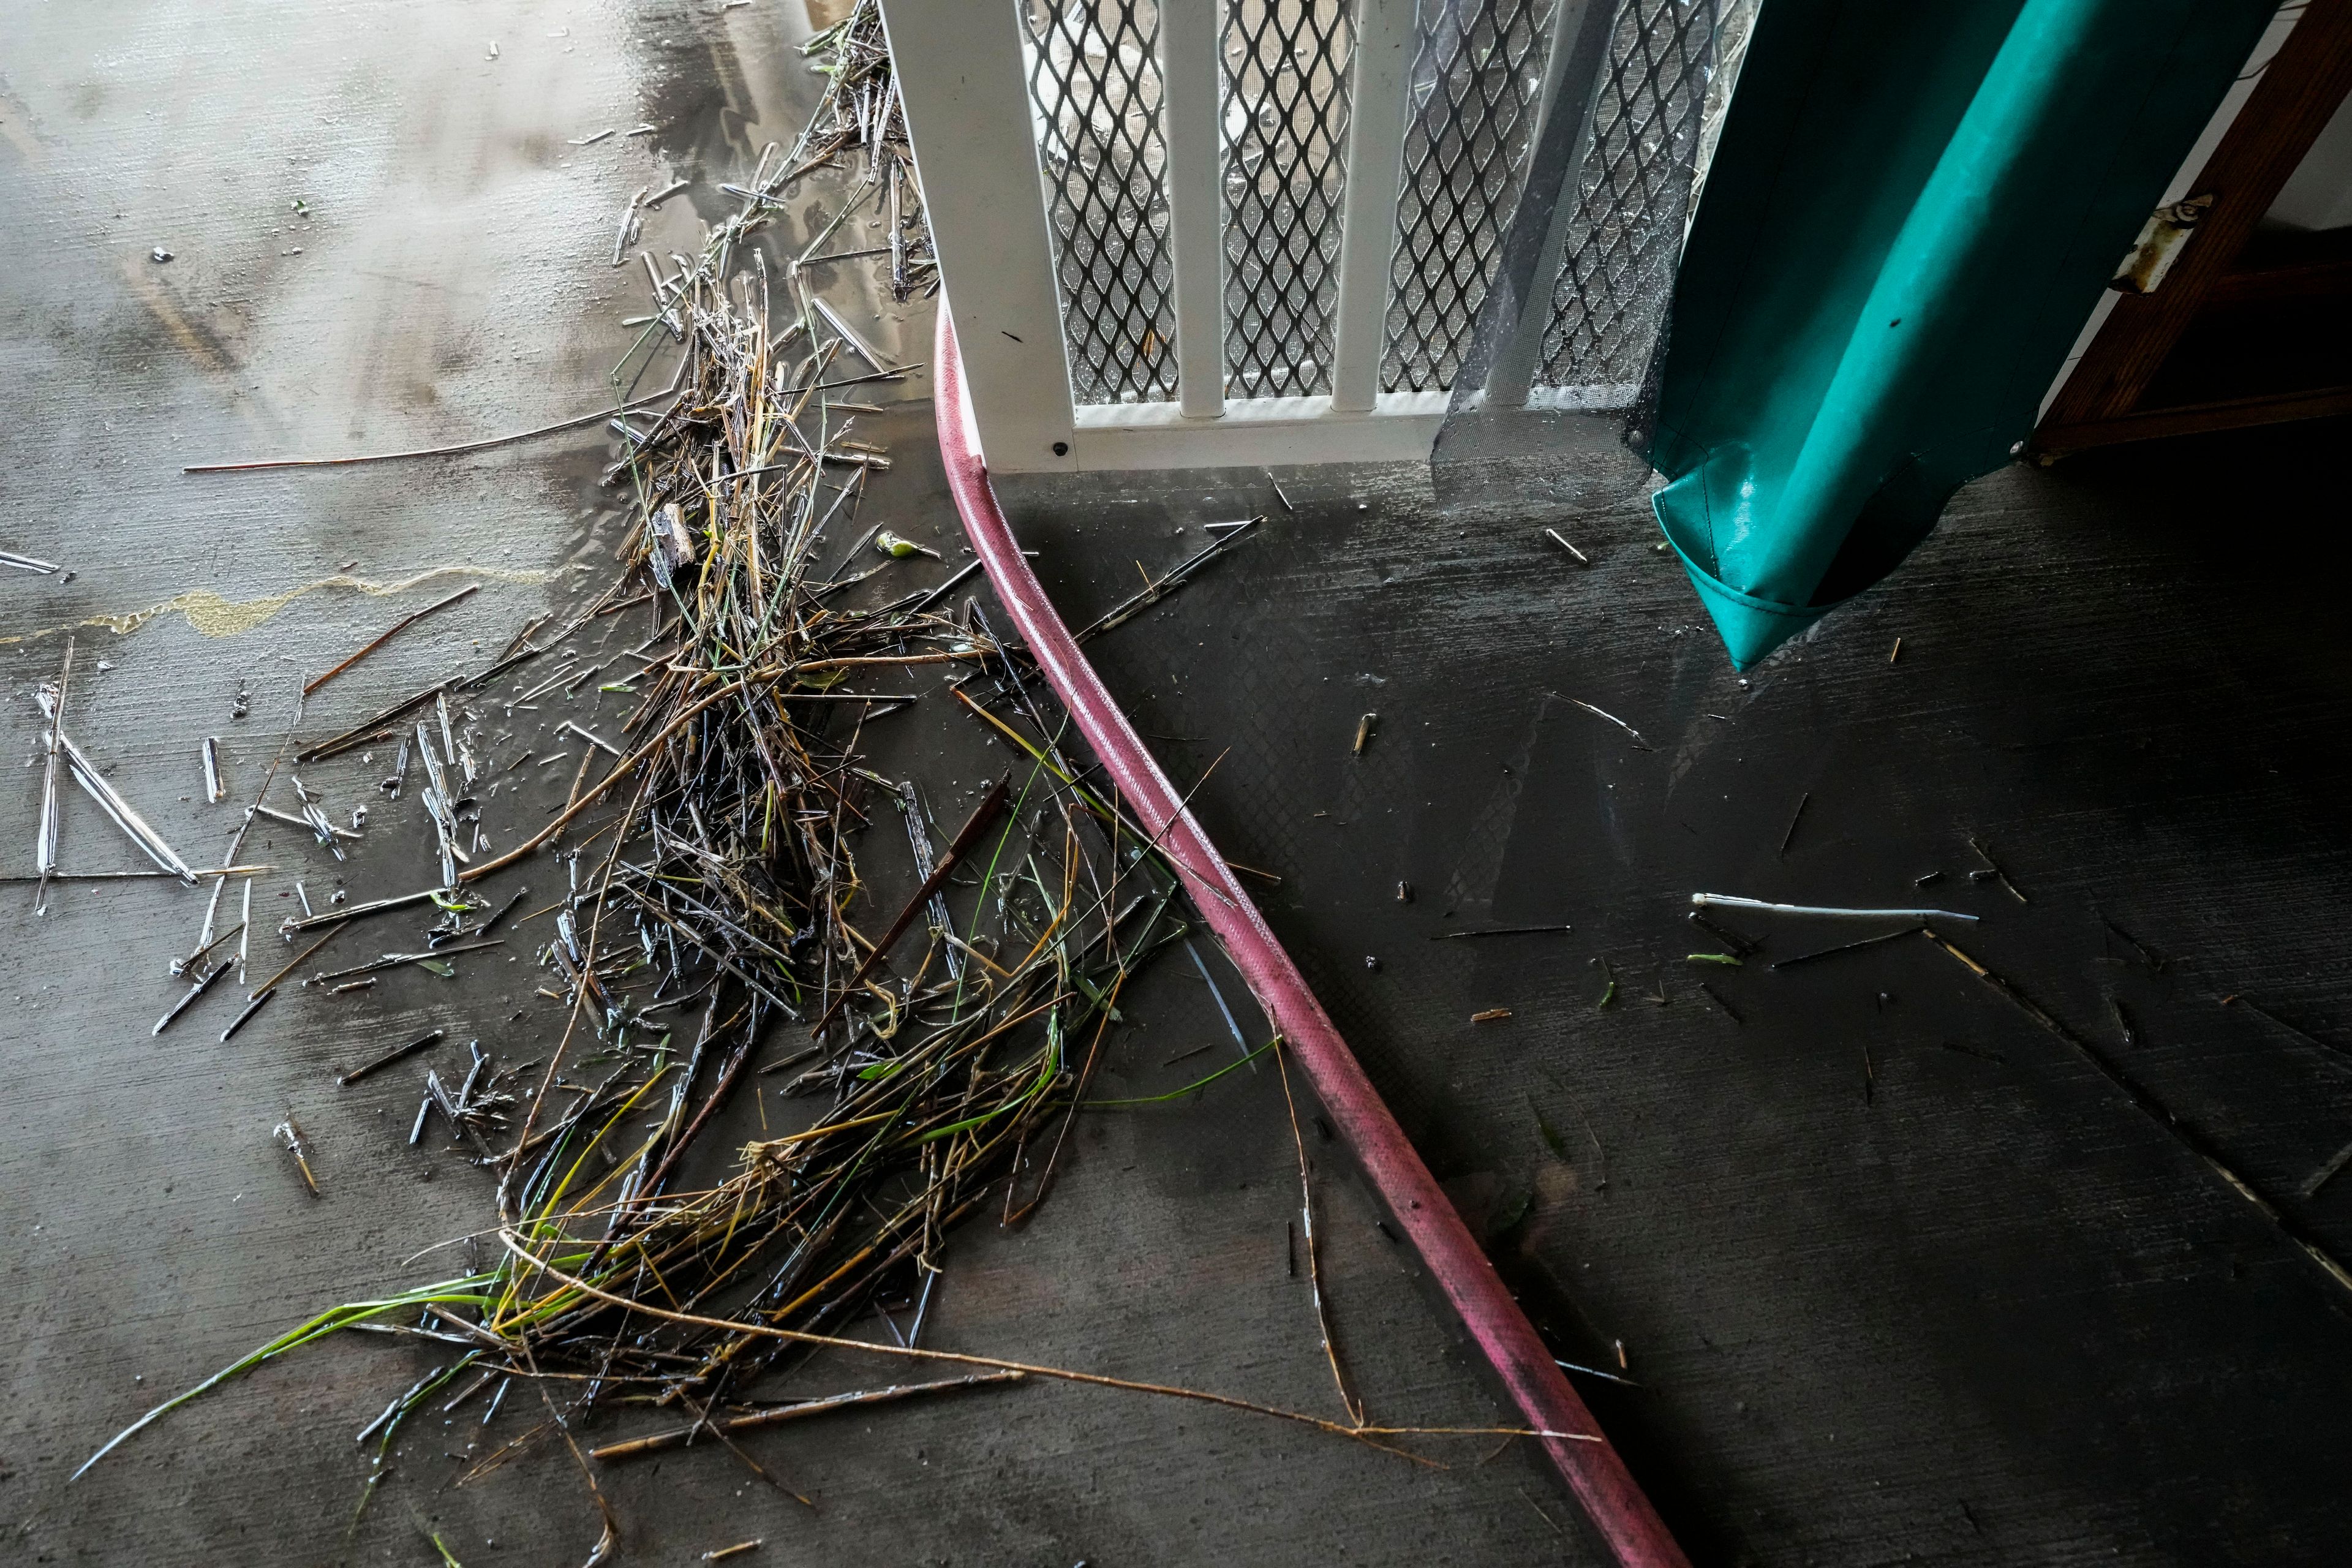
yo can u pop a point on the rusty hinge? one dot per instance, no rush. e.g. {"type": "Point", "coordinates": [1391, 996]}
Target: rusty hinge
{"type": "Point", "coordinates": [2161, 241]}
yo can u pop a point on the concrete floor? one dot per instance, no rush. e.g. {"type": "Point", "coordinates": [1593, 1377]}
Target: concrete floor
{"type": "Point", "coordinates": [449, 278]}
{"type": "Point", "coordinates": [1902, 1279]}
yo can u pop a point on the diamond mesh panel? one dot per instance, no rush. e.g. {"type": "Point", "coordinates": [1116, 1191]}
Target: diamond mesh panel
{"type": "Point", "coordinates": [1477, 79]}
{"type": "Point", "coordinates": [1285, 131]}
{"type": "Point", "coordinates": [1632, 194]}
{"type": "Point", "coordinates": [1095, 88]}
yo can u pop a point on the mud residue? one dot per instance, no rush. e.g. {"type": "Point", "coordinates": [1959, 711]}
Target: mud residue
{"type": "Point", "coordinates": [717, 89]}
{"type": "Point", "coordinates": [16, 127]}
{"type": "Point", "coordinates": [213, 615]}
{"type": "Point", "coordinates": [201, 343]}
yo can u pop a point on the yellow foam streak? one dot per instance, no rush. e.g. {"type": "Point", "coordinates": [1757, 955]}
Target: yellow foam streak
{"type": "Point", "coordinates": [213, 615]}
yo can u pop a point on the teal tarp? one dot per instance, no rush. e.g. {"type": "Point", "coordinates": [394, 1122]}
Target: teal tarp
{"type": "Point", "coordinates": [1910, 213]}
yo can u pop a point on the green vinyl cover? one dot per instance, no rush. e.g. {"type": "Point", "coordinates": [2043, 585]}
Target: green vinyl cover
{"type": "Point", "coordinates": [1910, 213]}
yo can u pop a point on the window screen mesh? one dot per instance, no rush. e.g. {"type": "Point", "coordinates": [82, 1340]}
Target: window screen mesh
{"type": "Point", "coordinates": [1632, 194]}
{"type": "Point", "coordinates": [1095, 89]}
{"type": "Point", "coordinates": [1477, 86]}
{"type": "Point", "coordinates": [1284, 142]}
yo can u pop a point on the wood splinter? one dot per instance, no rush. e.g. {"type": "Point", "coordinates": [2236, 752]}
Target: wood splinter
{"type": "Point", "coordinates": [289, 1134]}
{"type": "Point", "coordinates": [1581, 558]}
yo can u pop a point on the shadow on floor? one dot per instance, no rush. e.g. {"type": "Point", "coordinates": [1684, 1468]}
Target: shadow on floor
{"type": "Point", "coordinates": [1901, 1274]}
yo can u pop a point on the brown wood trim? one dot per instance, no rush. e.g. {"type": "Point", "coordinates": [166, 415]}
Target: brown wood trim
{"type": "Point", "coordinates": [2288, 266]}
{"type": "Point", "coordinates": [2309, 280]}
{"type": "Point", "coordinates": [2054, 441]}
{"type": "Point", "coordinates": [2298, 93]}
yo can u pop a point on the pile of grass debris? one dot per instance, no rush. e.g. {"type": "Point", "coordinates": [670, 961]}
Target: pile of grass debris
{"type": "Point", "coordinates": [716, 922]}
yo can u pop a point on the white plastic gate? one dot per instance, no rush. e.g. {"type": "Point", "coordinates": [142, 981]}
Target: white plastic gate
{"type": "Point", "coordinates": [1180, 233]}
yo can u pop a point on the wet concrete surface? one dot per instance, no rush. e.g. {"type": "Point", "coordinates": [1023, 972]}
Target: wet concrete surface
{"type": "Point", "coordinates": [446, 277]}
{"type": "Point", "coordinates": [1901, 1276]}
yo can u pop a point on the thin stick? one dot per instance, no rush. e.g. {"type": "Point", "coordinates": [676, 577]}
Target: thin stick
{"type": "Point", "coordinates": [1135, 604]}
{"type": "Point", "coordinates": [1847, 947]}
{"type": "Point", "coordinates": [1613, 718]}
{"type": "Point", "coordinates": [395, 960]}
{"type": "Point", "coordinates": [109, 799]}
{"type": "Point", "coordinates": [298, 959]}
{"type": "Point", "coordinates": [1499, 930]}
{"type": "Point", "coordinates": [655, 1443]}
{"type": "Point", "coordinates": [1995, 868]}
{"type": "Point", "coordinates": [390, 632]}
{"type": "Point", "coordinates": [244, 822]}
{"type": "Point", "coordinates": [1727, 901]}
{"type": "Point", "coordinates": [184, 964]}
{"type": "Point", "coordinates": [2326, 1174]}
{"type": "Point", "coordinates": [2154, 962]}
{"type": "Point", "coordinates": [1740, 946]}
{"type": "Point", "coordinates": [1795, 817]}
{"type": "Point", "coordinates": [627, 765]}
{"type": "Point", "coordinates": [251, 1007]}
{"type": "Point", "coordinates": [199, 872]}
{"type": "Point", "coordinates": [513, 1244]}
{"type": "Point", "coordinates": [289, 1134]}
{"type": "Point", "coordinates": [2149, 1105]}
{"type": "Point", "coordinates": [983, 815]}
{"type": "Point", "coordinates": [2308, 1039]}
{"type": "Point", "coordinates": [359, 734]}
{"type": "Point", "coordinates": [858, 345]}
{"type": "Point", "coordinates": [203, 984]}
{"type": "Point", "coordinates": [458, 449]}
{"type": "Point", "coordinates": [355, 912]}
{"type": "Point", "coordinates": [397, 1053]}
{"type": "Point", "coordinates": [45, 844]}
{"type": "Point", "coordinates": [1348, 1401]}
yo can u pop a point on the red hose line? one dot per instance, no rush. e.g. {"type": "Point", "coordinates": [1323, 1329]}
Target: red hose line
{"type": "Point", "coordinates": [1619, 1509]}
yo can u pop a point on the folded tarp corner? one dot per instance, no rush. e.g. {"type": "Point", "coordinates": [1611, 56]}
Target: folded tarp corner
{"type": "Point", "coordinates": [1910, 215]}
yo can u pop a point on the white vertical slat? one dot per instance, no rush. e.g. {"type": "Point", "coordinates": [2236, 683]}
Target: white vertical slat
{"type": "Point", "coordinates": [1580, 42]}
{"type": "Point", "coordinates": [1367, 218]}
{"type": "Point", "coordinates": [961, 76]}
{"type": "Point", "coordinates": [1196, 215]}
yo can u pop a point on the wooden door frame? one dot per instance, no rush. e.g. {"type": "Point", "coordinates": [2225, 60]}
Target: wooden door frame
{"type": "Point", "coordinates": [2101, 402]}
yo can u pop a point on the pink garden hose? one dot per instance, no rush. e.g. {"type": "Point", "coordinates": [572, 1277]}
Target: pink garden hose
{"type": "Point", "coordinates": [1619, 1509]}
